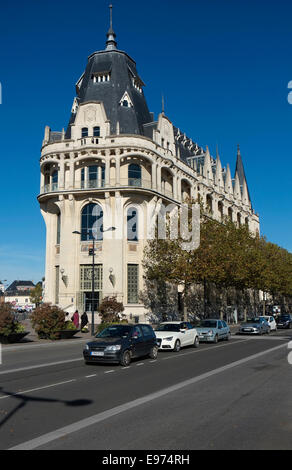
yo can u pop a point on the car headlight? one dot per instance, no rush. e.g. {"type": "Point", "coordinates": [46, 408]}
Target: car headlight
{"type": "Point", "coordinates": [86, 347]}
{"type": "Point", "coordinates": [116, 347]}
{"type": "Point", "coordinates": [169, 338]}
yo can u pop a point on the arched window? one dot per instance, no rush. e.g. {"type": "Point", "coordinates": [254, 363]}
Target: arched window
{"type": "Point", "coordinates": [54, 180]}
{"type": "Point", "coordinates": [84, 132]}
{"type": "Point", "coordinates": [96, 131]}
{"type": "Point", "coordinates": [230, 213]}
{"type": "Point", "coordinates": [220, 210]}
{"type": "Point", "coordinates": [134, 174]}
{"type": "Point", "coordinates": [91, 222]}
{"type": "Point", "coordinates": [132, 224]}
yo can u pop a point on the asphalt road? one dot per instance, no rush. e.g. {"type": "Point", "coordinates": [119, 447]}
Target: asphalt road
{"type": "Point", "coordinates": [233, 395]}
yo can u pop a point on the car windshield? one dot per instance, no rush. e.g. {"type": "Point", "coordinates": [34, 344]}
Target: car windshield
{"type": "Point", "coordinates": [285, 317]}
{"type": "Point", "coordinates": [116, 331]}
{"type": "Point", "coordinates": [168, 327]}
{"type": "Point", "coordinates": [208, 324]}
{"type": "Point", "coordinates": [253, 320]}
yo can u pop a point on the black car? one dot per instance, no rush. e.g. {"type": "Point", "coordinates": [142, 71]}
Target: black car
{"type": "Point", "coordinates": [121, 343]}
{"type": "Point", "coordinates": [284, 321]}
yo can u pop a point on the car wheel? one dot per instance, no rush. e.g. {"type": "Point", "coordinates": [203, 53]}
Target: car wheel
{"type": "Point", "coordinates": [125, 359]}
{"type": "Point", "coordinates": [196, 342]}
{"type": "Point", "coordinates": [153, 352]}
{"type": "Point", "coordinates": [177, 346]}
{"type": "Point", "coordinates": [216, 339]}
{"type": "Point", "coordinates": [228, 337]}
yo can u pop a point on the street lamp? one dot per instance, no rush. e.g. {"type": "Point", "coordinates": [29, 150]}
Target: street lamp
{"type": "Point", "coordinates": [92, 277]}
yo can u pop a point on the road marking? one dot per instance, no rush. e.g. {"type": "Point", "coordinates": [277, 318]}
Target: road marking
{"type": "Point", "coordinates": [202, 350]}
{"type": "Point", "coordinates": [38, 366]}
{"type": "Point", "coordinates": [84, 423]}
{"type": "Point", "coordinates": [88, 376]}
{"type": "Point", "coordinates": [140, 364]}
{"type": "Point", "coordinates": [155, 360]}
{"type": "Point", "coordinates": [109, 371]}
{"type": "Point", "coordinates": [19, 393]}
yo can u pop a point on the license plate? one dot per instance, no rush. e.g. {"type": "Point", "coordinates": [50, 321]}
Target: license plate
{"type": "Point", "coordinates": [97, 353]}
{"type": "Point", "coordinates": [247, 329]}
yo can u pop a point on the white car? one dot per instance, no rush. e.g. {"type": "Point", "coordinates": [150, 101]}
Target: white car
{"type": "Point", "coordinates": [176, 334]}
{"type": "Point", "coordinates": [271, 321]}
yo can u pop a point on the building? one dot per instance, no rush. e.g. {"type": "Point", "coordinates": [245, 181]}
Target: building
{"type": "Point", "coordinates": [18, 294]}
{"type": "Point", "coordinates": [100, 175]}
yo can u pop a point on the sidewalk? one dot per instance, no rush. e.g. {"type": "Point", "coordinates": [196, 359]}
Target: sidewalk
{"type": "Point", "coordinates": [32, 337]}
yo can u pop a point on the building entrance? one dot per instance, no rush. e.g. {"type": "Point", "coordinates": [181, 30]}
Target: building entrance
{"type": "Point", "coordinates": [88, 301]}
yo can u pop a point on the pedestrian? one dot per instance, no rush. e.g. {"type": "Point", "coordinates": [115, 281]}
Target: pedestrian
{"type": "Point", "coordinates": [75, 319]}
{"type": "Point", "coordinates": [84, 320]}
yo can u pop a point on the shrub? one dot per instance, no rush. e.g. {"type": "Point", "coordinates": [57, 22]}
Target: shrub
{"type": "Point", "coordinates": [110, 310]}
{"type": "Point", "coordinates": [8, 324]}
{"type": "Point", "coordinates": [69, 325]}
{"type": "Point", "coordinates": [48, 320]}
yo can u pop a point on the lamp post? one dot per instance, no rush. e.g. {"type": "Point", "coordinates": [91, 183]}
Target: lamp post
{"type": "Point", "coordinates": [92, 252]}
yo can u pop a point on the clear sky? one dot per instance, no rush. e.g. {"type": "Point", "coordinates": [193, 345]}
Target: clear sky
{"type": "Point", "coordinates": [222, 65]}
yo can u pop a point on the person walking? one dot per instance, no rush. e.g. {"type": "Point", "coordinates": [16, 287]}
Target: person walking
{"type": "Point", "coordinates": [84, 320]}
{"type": "Point", "coordinates": [75, 319]}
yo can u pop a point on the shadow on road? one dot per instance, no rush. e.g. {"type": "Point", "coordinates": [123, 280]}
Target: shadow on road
{"type": "Point", "coordinates": [24, 400]}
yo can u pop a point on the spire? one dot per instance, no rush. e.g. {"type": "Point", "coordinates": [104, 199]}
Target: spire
{"type": "Point", "coordinates": [207, 170]}
{"type": "Point", "coordinates": [236, 190]}
{"type": "Point", "coordinates": [228, 181]}
{"type": "Point", "coordinates": [218, 174]}
{"type": "Point", "coordinates": [111, 43]}
{"type": "Point", "coordinates": [239, 169]}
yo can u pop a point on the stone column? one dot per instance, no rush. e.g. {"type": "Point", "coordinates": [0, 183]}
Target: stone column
{"type": "Point", "coordinates": [107, 171]}
{"type": "Point", "coordinates": [154, 176]}
{"type": "Point", "coordinates": [71, 174]}
{"type": "Point", "coordinates": [62, 173]}
{"type": "Point", "coordinates": [118, 168]}
{"type": "Point", "coordinates": [159, 178]}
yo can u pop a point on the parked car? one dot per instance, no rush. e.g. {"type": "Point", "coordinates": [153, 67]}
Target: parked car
{"type": "Point", "coordinates": [175, 335]}
{"type": "Point", "coordinates": [255, 326]}
{"type": "Point", "coordinates": [271, 321]}
{"type": "Point", "coordinates": [284, 321]}
{"type": "Point", "coordinates": [120, 343]}
{"type": "Point", "coordinates": [213, 330]}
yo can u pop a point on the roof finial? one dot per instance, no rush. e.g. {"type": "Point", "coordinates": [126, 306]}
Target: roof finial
{"type": "Point", "coordinates": [111, 43]}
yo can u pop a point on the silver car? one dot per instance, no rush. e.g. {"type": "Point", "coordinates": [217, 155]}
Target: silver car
{"type": "Point", "coordinates": [255, 326]}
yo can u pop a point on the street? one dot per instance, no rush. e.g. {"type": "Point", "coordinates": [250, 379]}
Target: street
{"type": "Point", "coordinates": [233, 395]}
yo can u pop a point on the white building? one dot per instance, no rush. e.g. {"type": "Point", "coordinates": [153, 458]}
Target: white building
{"type": "Point", "coordinates": [102, 173]}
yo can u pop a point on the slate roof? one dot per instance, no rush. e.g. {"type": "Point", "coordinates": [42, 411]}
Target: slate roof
{"type": "Point", "coordinates": [15, 284]}
{"type": "Point", "coordinates": [122, 69]}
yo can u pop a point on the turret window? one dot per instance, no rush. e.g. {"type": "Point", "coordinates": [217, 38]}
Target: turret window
{"type": "Point", "coordinates": [101, 77]}
{"type": "Point", "coordinates": [54, 180]}
{"type": "Point", "coordinates": [132, 224]}
{"type": "Point", "coordinates": [134, 175]}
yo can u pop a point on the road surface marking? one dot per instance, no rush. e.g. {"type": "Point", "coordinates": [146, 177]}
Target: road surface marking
{"type": "Point", "coordinates": [109, 371]}
{"type": "Point", "coordinates": [202, 350]}
{"type": "Point", "coordinates": [21, 392]}
{"type": "Point", "coordinates": [84, 423]}
{"type": "Point", "coordinates": [140, 364]}
{"type": "Point", "coordinates": [39, 366]}
{"type": "Point", "coordinates": [88, 376]}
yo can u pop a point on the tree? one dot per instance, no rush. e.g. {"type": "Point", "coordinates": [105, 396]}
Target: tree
{"type": "Point", "coordinates": [36, 294]}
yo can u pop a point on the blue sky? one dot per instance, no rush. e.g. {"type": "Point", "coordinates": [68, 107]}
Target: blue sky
{"type": "Point", "coordinates": [222, 65]}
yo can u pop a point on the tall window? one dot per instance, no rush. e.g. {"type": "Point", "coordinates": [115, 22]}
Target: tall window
{"type": "Point", "coordinates": [96, 131]}
{"type": "Point", "coordinates": [91, 222]}
{"type": "Point", "coordinates": [133, 283]}
{"type": "Point", "coordinates": [132, 224]}
{"type": "Point", "coordinates": [92, 176]}
{"type": "Point", "coordinates": [84, 132]}
{"type": "Point", "coordinates": [134, 174]}
{"type": "Point", "coordinates": [54, 180]}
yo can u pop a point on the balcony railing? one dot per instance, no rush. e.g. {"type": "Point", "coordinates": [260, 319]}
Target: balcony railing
{"type": "Point", "coordinates": [100, 184]}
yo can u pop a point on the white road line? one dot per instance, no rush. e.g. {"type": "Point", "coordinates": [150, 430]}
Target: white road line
{"type": "Point", "coordinates": [7, 349]}
{"type": "Point", "coordinates": [140, 364]}
{"type": "Point", "coordinates": [84, 423]}
{"type": "Point", "coordinates": [19, 393]}
{"type": "Point", "coordinates": [109, 371]}
{"type": "Point", "coordinates": [155, 360]}
{"type": "Point", "coordinates": [89, 376]}
{"type": "Point", "coordinates": [201, 350]}
{"type": "Point", "coordinates": [39, 366]}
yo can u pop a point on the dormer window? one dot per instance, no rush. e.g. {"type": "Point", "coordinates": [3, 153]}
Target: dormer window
{"type": "Point", "coordinates": [96, 131]}
{"type": "Point", "coordinates": [137, 84]}
{"type": "Point", "coordinates": [126, 101]}
{"type": "Point", "coordinates": [101, 77]}
{"type": "Point", "coordinates": [84, 132]}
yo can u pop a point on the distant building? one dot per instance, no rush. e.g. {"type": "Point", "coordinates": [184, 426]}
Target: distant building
{"type": "Point", "coordinates": [18, 294]}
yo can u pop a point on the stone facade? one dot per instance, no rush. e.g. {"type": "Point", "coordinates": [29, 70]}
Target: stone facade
{"type": "Point", "coordinates": [92, 164]}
